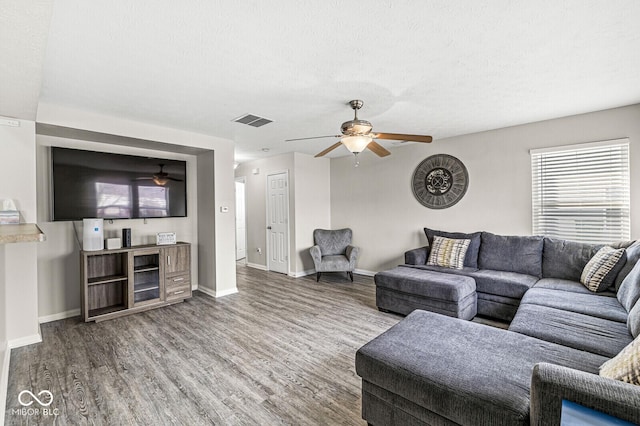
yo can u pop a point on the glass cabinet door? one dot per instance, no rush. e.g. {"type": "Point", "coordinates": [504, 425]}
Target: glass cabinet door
{"type": "Point", "coordinates": [146, 277]}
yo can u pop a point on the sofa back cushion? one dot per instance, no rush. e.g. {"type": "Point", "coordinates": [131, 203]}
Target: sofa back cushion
{"type": "Point", "coordinates": [629, 291]}
{"type": "Point", "coordinates": [566, 259]}
{"type": "Point", "coordinates": [511, 253]}
{"type": "Point", "coordinates": [633, 321]}
{"type": "Point", "coordinates": [633, 255]}
{"type": "Point", "coordinates": [471, 258]}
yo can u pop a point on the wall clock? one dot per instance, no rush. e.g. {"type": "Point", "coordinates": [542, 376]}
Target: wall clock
{"type": "Point", "coordinates": [440, 181]}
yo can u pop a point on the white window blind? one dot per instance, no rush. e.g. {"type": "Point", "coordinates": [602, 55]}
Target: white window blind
{"type": "Point", "coordinates": [581, 192]}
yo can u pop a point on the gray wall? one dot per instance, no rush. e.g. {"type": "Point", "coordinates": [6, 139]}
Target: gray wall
{"type": "Point", "coordinates": [206, 213]}
{"type": "Point", "coordinates": [375, 199]}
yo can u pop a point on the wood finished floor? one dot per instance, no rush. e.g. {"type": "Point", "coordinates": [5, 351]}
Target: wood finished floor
{"type": "Point", "coordinates": [281, 351]}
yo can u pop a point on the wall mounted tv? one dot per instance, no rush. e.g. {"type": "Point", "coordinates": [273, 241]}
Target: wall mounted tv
{"type": "Point", "coordinates": [88, 184]}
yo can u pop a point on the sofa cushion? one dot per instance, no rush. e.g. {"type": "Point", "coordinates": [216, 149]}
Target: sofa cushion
{"type": "Point", "coordinates": [426, 283]}
{"type": "Point", "coordinates": [565, 259]}
{"type": "Point", "coordinates": [633, 255]}
{"type": "Point", "coordinates": [502, 283]}
{"type": "Point", "coordinates": [448, 252]}
{"type": "Point", "coordinates": [466, 372]}
{"type": "Point", "coordinates": [588, 304]}
{"type": "Point", "coordinates": [629, 291]}
{"type": "Point", "coordinates": [586, 333]}
{"type": "Point", "coordinates": [471, 258]}
{"type": "Point", "coordinates": [625, 366]}
{"type": "Point", "coordinates": [568, 285]}
{"type": "Point", "coordinates": [511, 254]}
{"type": "Point", "coordinates": [600, 272]}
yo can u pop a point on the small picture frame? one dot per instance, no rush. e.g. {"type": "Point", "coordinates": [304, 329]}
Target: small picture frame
{"type": "Point", "coordinates": [165, 238]}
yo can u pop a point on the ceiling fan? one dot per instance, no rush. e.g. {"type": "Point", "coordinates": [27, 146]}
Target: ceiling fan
{"type": "Point", "coordinates": [357, 136]}
{"type": "Point", "coordinates": [161, 178]}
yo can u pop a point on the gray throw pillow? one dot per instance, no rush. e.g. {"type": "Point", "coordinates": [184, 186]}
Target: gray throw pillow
{"type": "Point", "coordinates": [601, 271]}
{"type": "Point", "coordinates": [471, 258]}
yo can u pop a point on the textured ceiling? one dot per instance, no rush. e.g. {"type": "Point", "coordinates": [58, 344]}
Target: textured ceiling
{"type": "Point", "coordinates": [441, 68]}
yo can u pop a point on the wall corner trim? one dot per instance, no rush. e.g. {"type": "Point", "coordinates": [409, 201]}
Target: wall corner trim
{"type": "Point", "coordinates": [257, 266]}
{"type": "Point", "coordinates": [217, 294]}
{"type": "Point", "coordinates": [302, 273]}
{"type": "Point", "coordinates": [59, 316]}
{"type": "Point", "coordinates": [25, 341]}
{"type": "Point", "coordinates": [364, 272]}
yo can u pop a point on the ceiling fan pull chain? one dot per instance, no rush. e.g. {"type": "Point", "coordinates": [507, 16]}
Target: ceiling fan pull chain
{"type": "Point", "coordinates": [356, 160]}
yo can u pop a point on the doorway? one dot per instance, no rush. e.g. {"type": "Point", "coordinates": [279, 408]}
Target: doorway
{"type": "Point", "coordinates": [241, 220]}
{"type": "Point", "coordinates": [278, 222]}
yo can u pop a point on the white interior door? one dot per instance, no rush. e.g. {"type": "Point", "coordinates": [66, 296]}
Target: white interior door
{"type": "Point", "coordinates": [278, 222]}
{"type": "Point", "coordinates": [241, 223]}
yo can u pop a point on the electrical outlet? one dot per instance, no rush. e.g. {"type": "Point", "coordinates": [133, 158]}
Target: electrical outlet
{"type": "Point", "coordinates": [259, 250]}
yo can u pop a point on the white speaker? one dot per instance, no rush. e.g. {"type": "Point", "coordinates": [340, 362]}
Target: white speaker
{"type": "Point", "coordinates": [92, 234]}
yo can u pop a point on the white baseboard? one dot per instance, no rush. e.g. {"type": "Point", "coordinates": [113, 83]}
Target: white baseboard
{"type": "Point", "coordinates": [302, 274]}
{"type": "Point", "coordinates": [257, 266]}
{"type": "Point", "coordinates": [59, 316]}
{"type": "Point", "coordinates": [4, 379]}
{"type": "Point", "coordinates": [24, 341]}
{"type": "Point", "coordinates": [364, 272]}
{"type": "Point", "coordinates": [217, 294]}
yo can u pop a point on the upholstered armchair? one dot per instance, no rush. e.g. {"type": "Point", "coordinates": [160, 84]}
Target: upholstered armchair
{"type": "Point", "coordinates": [333, 252]}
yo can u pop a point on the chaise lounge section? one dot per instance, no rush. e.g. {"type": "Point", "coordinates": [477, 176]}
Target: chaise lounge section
{"type": "Point", "coordinates": [436, 368]}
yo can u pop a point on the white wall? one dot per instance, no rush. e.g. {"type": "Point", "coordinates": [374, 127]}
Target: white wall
{"type": "Point", "coordinates": [309, 206]}
{"type": "Point", "coordinates": [59, 258]}
{"type": "Point", "coordinates": [376, 201]}
{"type": "Point", "coordinates": [312, 207]}
{"type": "Point", "coordinates": [18, 181]}
{"type": "Point", "coordinates": [221, 245]}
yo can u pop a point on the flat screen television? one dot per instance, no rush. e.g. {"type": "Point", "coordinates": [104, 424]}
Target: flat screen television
{"type": "Point", "coordinates": [89, 184]}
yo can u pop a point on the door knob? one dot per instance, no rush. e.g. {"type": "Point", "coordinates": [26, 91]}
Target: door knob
{"type": "Point", "coordinates": [268, 227]}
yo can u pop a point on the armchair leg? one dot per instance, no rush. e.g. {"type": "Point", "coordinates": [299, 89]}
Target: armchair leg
{"type": "Point", "coordinates": [350, 275]}
{"type": "Point", "coordinates": [318, 276]}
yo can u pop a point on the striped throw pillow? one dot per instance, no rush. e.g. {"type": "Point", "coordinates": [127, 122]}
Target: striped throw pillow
{"type": "Point", "coordinates": [625, 366]}
{"type": "Point", "coordinates": [600, 272]}
{"type": "Point", "coordinates": [448, 252]}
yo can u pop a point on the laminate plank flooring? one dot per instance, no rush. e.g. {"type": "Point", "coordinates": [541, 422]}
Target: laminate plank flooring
{"type": "Point", "coordinates": [281, 351]}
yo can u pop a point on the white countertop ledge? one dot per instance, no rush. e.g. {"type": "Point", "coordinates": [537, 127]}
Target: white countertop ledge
{"type": "Point", "coordinates": [21, 233]}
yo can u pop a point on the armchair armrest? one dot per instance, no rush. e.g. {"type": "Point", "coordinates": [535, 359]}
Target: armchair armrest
{"type": "Point", "coordinates": [417, 256]}
{"type": "Point", "coordinates": [550, 384]}
{"type": "Point", "coordinates": [316, 255]}
{"type": "Point", "coordinates": [352, 254]}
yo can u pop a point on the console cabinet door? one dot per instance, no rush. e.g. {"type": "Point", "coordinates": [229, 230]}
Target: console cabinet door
{"type": "Point", "coordinates": [177, 259]}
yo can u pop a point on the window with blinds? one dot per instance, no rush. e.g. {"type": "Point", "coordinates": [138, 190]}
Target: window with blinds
{"type": "Point", "coordinates": [581, 192]}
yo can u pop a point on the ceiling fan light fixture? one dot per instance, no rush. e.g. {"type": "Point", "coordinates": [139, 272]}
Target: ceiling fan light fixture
{"type": "Point", "coordinates": [356, 143]}
{"type": "Point", "coordinates": [160, 181]}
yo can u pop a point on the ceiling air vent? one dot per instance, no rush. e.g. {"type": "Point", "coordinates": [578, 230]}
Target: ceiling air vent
{"type": "Point", "coordinates": [252, 120]}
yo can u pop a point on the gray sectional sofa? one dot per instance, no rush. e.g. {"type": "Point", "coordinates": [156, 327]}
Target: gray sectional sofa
{"type": "Point", "coordinates": [436, 368]}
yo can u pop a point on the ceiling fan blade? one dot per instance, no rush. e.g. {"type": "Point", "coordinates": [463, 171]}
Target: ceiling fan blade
{"type": "Point", "coordinates": [328, 150]}
{"type": "Point", "coordinates": [314, 137]}
{"type": "Point", "coordinates": [378, 149]}
{"type": "Point", "coordinates": [145, 178]}
{"type": "Point", "coordinates": [173, 179]}
{"type": "Point", "coordinates": [403, 137]}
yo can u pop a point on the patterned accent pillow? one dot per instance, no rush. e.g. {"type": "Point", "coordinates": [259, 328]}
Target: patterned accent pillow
{"type": "Point", "coordinates": [448, 252]}
{"type": "Point", "coordinates": [625, 366]}
{"type": "Point", "coordinates": [601, 271]}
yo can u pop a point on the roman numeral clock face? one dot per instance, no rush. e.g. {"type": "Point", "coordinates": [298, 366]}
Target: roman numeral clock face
{"type": "Point", "coordinates": [440, 181]}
